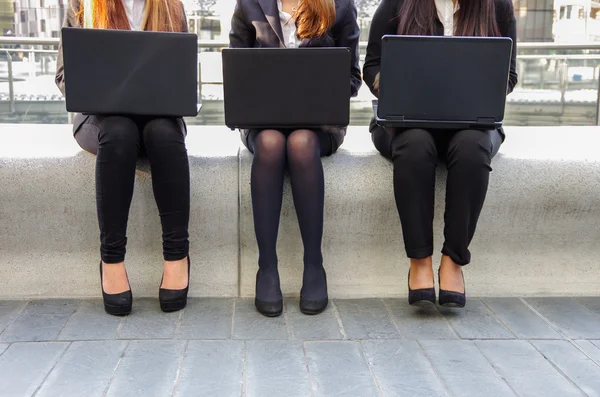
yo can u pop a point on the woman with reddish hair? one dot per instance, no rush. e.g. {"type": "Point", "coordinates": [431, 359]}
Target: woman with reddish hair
{"type": "Point", "coordinates": [292, 24]}
{"type": "Point", "coordinates": [117, 141]}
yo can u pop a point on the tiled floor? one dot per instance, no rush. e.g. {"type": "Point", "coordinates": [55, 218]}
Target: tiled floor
{"type": "Point", "coordinates": [222, 347]}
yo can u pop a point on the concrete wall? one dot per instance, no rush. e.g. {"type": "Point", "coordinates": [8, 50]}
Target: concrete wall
{"type": "Point", "coordinates": [538, 233]}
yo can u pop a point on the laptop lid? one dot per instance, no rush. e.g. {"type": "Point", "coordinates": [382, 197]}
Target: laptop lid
{"type": "Point", "coordinates": [130, 72]}
{"type": "Point", "coordinates": [286, 88]}
{"type": "Point", "coordinates": [443, 82]}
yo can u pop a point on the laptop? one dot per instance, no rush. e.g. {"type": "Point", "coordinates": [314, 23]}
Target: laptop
{"type": "Point", "coordinates": [121, 72]}
{"type": "Point", "coordinates": [443, 82]}
{"type": "Point", "coordinates": [286, 87]}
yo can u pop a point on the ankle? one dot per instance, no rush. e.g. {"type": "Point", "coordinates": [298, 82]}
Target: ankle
{"type": "Point", "coordinates": [114, 278]}
{"type": "Point", "coordinates": [451, 276]}
{"type": "Point", "coordinates": [175, 275]}
{"type": "Point", "coordinates": [421, 264]}
{"type": "Point", "coordinates": [448, 265]}
{"type": "Point", "coordinates": [421, 273]}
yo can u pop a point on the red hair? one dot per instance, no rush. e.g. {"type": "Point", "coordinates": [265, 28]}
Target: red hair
{"type": "Point", "coordinates": [314, 18]}
{"type": "Point", "coordinates": [160, 15]}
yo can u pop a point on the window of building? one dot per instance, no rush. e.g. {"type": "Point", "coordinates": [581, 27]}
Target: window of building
{"type": "Point", "coordinates": [42, 5]}
{"type": "Point", "coordinates": [23, 17]}
{"type": "Point", "coordinates": [43, 25]}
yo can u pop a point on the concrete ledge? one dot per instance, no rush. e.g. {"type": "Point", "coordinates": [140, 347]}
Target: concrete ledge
{"type": "Point", "coordinates": [49, 231]}
{"type": "Point", "coordinates": [538, 234]}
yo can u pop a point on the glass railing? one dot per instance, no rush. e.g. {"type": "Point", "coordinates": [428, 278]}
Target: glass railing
{"type": "Point", "coordinates": [558, 84]}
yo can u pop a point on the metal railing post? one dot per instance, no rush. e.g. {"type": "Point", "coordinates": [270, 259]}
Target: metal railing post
{"type": "Point", "coordinates": [11, 91]}
{"type": "Point", "coordinates": [598, 102]}
{"type": "Point", "coordinates": [200, 82]}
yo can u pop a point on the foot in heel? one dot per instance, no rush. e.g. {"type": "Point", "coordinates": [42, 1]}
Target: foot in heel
{"type": "Point", "coordinates": [418, 278]}
{"type": "Point", "coordinates": [452, 284]}
{"type": "Point", "coordinates": [172, 300]}
{"type": "Point", "coordinates": [269, 299]}
{"type": "Point", "coordinates": [313, 296]}
{"type": "Point", "coordinates": [119, 303]}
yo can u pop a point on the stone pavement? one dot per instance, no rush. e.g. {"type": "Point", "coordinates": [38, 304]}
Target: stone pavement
{"type": "Point", "coordinates": [374, 347]}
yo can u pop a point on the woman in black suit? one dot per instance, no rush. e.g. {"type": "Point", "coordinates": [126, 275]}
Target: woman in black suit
{"type": "Point", "coordinates": [415, 152]}
{"type": "Point", "coordinates": [293, 23]}
{"type": "Point", "coordinates": [118, 141]}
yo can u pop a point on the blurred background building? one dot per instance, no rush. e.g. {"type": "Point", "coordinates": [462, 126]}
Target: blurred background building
{"type": "Point", "coordinates": [558, 60]}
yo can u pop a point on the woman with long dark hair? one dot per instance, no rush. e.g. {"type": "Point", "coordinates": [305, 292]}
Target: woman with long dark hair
{"type": "Point", "coordinates": [118, 141]}
{"type": "Point", "coordinates": [291, 24]}
{"type": "Point", "coordinates": [415, 152]}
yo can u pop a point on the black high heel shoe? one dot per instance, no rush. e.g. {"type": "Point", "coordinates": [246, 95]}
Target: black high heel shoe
{"type": "Point", "coordinates": [172, 300]}
{"type": "Point", "coordinates": [418, 296]}
{"type": "Point", "coordinates": [313, 307]}
{"type": "Point", "coordinates": [116, 304]}
{"type": "Point", "coordinates": [268, 308]}
{"type": "Point", "coordinates": [453, 298]}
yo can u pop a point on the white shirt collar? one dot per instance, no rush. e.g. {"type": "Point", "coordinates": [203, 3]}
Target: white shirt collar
{"type": "Point", "coordinates": [135, 10]}
{"type": "Point", "coordinates": [288, 27]}
{"type": "Point", "coordinates": [446, 10]}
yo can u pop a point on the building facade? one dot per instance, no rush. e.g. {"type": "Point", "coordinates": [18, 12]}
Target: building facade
{"type": "Point", "coordinates": [534, 20]}
{"type": "Point", "coordinates": [7, 17]}
{"type": "Point", "coordinates": [38, 18]}
{"type": "Point", "coordinates": [576, 20]}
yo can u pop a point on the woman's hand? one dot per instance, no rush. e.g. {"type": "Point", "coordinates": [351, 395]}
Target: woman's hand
{"type": "Point", "coordinates": [376, 84]}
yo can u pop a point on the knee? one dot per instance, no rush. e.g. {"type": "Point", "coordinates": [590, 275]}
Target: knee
{"type": "Point", "coordinates": [382, 141]}
{"type": "Point", "coordinates": [269, 146]}
{"type": "Point", "coordinates": [161, 132]}
{"type": "Point", "coordinates": [303, 145]}
{"type": "Point", "coordinates": [120, 130]}
{"type": "Point", "coordinates": [470, 147]}
{"type": "Point", "coordinates": [413, 146]}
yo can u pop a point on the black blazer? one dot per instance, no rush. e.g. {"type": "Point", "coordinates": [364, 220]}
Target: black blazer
{"type": "Point", "coordinates": [71, 20]}
{"type": "Point", "coordinates": [385, 21]}
{"type": "Point", "coordinates": [256, 23]}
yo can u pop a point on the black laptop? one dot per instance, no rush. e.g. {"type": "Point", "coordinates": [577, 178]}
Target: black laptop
{"type": "Point", "coordinates": [130, 72]}
{"type": "Point", "coordinates": [286, 88]}
{"type": "Point", "coordinates": [443, 82]}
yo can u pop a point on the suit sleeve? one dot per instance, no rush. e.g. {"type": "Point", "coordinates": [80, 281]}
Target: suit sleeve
{"type": "Point", "coordinates": [384, 22]}
{"type": "Point", "coordinates": [348, 37]}
{"type": "Point", "coordinates": [242, 35]}
{"type": "Point", "coordinates": [508, 28]}
{"type": "Point", "coordinates": [70, 21]}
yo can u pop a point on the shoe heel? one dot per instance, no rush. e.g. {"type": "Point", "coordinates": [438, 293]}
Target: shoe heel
{"type": "Point", "coordinates": [172, 300]}
{"type": "Point", "coordinates": [116, 304]}
{"type": "Point", "coordinates": [420, 297]}
{"type": "Point", "coordinates": [267, 309]}
{"type": "Point", "coordinates": [314, 307]}
{"type": "Point", "coordinates": [453, 298]}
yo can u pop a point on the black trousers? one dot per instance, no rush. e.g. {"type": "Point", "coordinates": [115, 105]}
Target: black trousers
{"type": "Point", "coordinates": [118, 142]}
{"type": "Point", "coordinates": [415, 154]}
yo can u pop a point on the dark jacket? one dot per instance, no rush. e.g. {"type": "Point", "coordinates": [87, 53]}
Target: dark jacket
{"type": "Point", "coordinates": [71, 20]}
{"type": "Point", "coordinates": [385, 21]}
{"type": "Point", "coordinates": [256, 23]}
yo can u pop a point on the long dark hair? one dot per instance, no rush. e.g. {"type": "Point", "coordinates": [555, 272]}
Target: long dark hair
{"type": "Point", "coordinates": [474, 18]}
